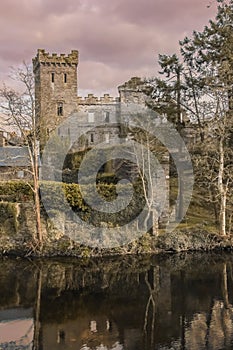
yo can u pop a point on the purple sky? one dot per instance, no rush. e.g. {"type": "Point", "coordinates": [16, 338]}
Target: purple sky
{"type": "Point", "coordinates": [116, 39]}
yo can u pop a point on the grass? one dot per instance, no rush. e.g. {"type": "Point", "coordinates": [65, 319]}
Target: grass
{"type": "Point", "coordinates": [199, 214]}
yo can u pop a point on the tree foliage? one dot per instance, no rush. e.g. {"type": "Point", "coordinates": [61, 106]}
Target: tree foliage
{"type": "Point", "coordinates": [198, 84]}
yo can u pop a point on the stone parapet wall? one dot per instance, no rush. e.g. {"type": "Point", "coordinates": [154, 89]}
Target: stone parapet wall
{"type": "Point", "coordinates": [44, 57]}
{"type": "Point", "coordinates": [94, 100]}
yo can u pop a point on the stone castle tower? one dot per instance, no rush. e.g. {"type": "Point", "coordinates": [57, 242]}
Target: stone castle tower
{"type": "Point", "coordinates": [99, 120]}
{"type": "Point", "coordinates": [55, 89]}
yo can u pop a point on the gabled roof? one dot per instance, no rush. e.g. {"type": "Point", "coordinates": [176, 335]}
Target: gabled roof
{"type": "Point", "coordinates": [14, 157]}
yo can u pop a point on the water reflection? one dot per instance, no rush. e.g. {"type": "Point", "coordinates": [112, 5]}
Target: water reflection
{"type": "Point", "coordinates": [142, 303]}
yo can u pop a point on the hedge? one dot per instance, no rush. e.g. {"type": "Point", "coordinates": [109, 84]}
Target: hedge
{"type": "Point", "coordinates": [19, 191]}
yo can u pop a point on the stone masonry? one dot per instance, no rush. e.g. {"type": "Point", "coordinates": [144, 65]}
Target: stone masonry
{"type": "Point", "coordinates": [55, 89]}
{"type": "Point", "coordinates": [56, 98]}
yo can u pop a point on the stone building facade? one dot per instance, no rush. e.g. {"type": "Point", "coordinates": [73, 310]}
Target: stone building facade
{"type": "Point", "coordinates": [97, 120]}
{"type": "Point", "coordinates": [56, 98]}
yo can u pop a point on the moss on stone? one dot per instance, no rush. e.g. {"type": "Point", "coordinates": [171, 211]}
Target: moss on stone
{"type": "Point", "coordinates": [9, 218]}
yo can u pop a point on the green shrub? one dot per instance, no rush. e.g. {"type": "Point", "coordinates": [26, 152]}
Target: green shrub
{"type": "Point", "coordinates": [56, 193]}
{"type": "Point", "coordinates": [16, 191]}
{"type": "Point", "coordinates": [8, 215]}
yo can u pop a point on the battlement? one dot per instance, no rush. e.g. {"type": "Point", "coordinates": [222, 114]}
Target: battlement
{"type": "Point", "coordinates": [44, 57]}
{"type": "Point", "coordinates": [94, 100]}
{"type": "Point", "coordinates": [135, 83]}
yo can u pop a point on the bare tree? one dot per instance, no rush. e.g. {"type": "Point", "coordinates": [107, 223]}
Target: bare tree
{"type": "Point", "coordinates": [19, 109]}
{"type": "Point", "coordinates": [148, 152]}
{"type": "Point", "coordinates": [213, 160]}
{"type": "Point", "coordinates": [144, 166]}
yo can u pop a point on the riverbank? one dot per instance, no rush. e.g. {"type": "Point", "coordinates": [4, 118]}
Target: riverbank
{"type": "Point", "coordinates": [174, 242]}
{"type": "Point", "coordinates": [18, 238]}
{"type": "Point", "coordinates": [18, 230]}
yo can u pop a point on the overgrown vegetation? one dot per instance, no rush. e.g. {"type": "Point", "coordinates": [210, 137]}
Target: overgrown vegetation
{"type": "Point", "coordinates": [197, 87]}
{"type": "Point", "coordinates": [19, 191]}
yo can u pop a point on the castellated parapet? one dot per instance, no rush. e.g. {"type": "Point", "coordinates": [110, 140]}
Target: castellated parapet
{"type": "Point", "coordinates": [94, 100]}
{"type": "Point", "coordinates": [44, 57]}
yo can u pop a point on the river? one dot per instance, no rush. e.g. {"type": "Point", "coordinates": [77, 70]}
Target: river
{"type": "Point", "coordinates": [125, 303]}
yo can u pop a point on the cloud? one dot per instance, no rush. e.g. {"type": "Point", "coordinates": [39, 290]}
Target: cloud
{"type": "Point", "coordinates": [116, 38]}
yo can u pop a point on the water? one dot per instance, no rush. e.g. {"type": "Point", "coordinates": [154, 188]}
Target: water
{"type": "Point", "coordinates": [141, 303]}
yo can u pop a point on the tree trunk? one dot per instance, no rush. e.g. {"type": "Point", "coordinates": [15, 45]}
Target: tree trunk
{"type": "Point", "coordinates": [200, 127]}
{"type": "Point", "coordinates": [214, 201]}
{"type": "Point", "coordinates": [37, 199]}
{"type": "Point", "coordinates": [38, 216]}
{"type": "Point", "coordinates": [180, 213]}
{"type": "Point", "coordinates": [222, 190]}
{"type": "Point", "coordinates": [223, 213]}
{"type": "Point", "coordinates": [180, 200]}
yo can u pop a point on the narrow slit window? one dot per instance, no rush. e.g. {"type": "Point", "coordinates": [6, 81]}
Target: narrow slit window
{"type": "Point", "coordinates": [107, 115]}
{"type": "Point", "coordinates": [52, 77]}
{"type": "Point", "coordinates": [60, 109]}
{"type": "Point", "coordinates": [65, 78]}
{"type": "Point", "coordinates": [92, 138]}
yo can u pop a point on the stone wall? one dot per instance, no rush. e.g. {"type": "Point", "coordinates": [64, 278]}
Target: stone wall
{"type": "Point", "coordinates": [132, 91]}
{"type": "Point", "coordinates": [92, 125]}
{"type": "Point", "coordinates": [13, 173]}
{"type": "Point", "coordinates": [55, 89]}
{"type": "Point", "coordinates": [2, 139]}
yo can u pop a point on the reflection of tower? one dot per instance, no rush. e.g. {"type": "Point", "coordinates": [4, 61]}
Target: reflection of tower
{"type": "Point", "coordinates": [55, 89]}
